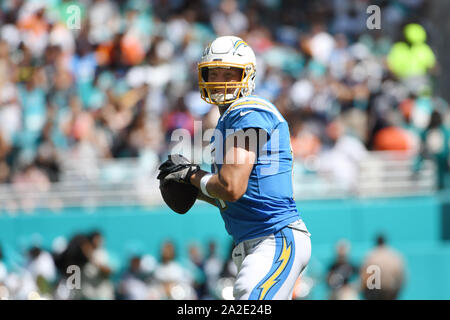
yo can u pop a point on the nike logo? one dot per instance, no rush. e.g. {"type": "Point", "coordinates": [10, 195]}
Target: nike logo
{"type": "Point", "coordinates": [244, 113]}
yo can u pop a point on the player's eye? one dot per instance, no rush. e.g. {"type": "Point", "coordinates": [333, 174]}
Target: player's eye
{"type": "Point", "coordinates": [212, 76]}
{"type": "Point", "coordinates": [229, 76]}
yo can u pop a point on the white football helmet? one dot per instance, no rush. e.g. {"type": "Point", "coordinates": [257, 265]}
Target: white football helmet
{"type": "Point", "coordinates": [226, 52]}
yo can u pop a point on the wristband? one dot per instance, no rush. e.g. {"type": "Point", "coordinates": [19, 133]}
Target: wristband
{"type": "Point", "coordinates": [203, 182]}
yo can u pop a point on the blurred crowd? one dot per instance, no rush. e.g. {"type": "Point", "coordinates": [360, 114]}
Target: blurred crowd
{"type": "Point", "coordinates": [93, 79]}
{"type": "Point", "coordinates": [381, 275]}
{"type": "Point", "coordinates": [117, 82]}
{"type": "Point", "coordinates": [82, 268]}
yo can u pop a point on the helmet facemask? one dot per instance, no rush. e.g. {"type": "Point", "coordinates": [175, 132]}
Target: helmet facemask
{"type": "Point", "coordinates": [233, 89]}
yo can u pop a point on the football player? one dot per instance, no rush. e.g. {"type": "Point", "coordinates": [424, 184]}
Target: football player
{"type": "Point", "coordinates": [251, 178]}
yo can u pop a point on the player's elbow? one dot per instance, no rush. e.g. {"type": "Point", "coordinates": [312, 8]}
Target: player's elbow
{"type": "Point", "coordinates": [234, 192]}
{"type": "Point", "coordinates": [233, 196]}
{"type": "Point", "coordinates": [233, 186]}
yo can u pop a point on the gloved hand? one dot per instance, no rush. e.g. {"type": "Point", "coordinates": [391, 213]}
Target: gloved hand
{"type": "Point", "coordinates": [177, 168]}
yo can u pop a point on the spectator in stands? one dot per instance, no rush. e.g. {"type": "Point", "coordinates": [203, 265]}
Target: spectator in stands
{"type": "Point", "coordinates": [133, 283]}
{"type": "Point", "coordinates": [99, 254]}
{"type": "Point", "coordinates": [382, 273]}
{"type": "Point", "coordinates": [229, 269]}
{"type": "Point", "coordinates": [97, 271]}
{"type": "Point", "coordinates": [213, 266]}
{"type": "Point", "coordinates": [77, 254]}
{"type": "Point", "coordinates": [29, 179]}
{"type": "Point", "coordinates": [340, 275]}
{"type": "Point", "coordinates": [342, 160]}
{"type": "Point", "coordinates": [47, 158]}
{"type": "Point", "coordinates": [170, 274]}
{"type": "Point", "coordinates": [42, 268]}
{"type": "Point", "coordinates": [412, 58]}
{"type": "Point", "coordinates": [437, 145]}
{"type": "Point", "coordinates": [229, 19]}
{"type": "Point", "coordinates": [10, 108]}
{"type": "Point", "coordinates": [178, 118]}
{"type": "Point", "coordinates": [196, 268]}
{"type": "Point", "coordinates": [4, 167]}
{"type": "Point", "coordinates": [324, 67]}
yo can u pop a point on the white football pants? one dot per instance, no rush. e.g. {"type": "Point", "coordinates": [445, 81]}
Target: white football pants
{"type": "Point", "coordinates": [269, 266]}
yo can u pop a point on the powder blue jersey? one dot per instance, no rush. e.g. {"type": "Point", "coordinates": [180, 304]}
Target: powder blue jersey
{"type": "Point", "coordinates": [268, 205]}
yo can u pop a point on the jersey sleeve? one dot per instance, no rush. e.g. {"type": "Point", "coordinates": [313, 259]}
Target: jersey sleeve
{"type": "Point", "coordinates": [246, 118]}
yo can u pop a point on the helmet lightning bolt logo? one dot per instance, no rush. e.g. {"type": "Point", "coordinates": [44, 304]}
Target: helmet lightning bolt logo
{"type": "Point", "coordinates": [239, 43]}
{"type": "Point", "coordinates": [283, 260]}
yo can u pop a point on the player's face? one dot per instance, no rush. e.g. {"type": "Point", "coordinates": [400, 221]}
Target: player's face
{"type": "Point", "coordinates": [224, 75]}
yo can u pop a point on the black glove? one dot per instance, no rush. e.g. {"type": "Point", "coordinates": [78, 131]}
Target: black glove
{"type": "Point", "coordinates": [177, 168]}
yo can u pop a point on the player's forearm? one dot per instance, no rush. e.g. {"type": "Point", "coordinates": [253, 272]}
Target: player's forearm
{"type": "Point", "coordinates": [203, 197]}
{"type": "Point", "coordinates": [217, 187]}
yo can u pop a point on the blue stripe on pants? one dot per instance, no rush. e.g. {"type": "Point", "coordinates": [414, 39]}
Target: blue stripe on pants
{"type": "Point", "coordinates": [281, 266]}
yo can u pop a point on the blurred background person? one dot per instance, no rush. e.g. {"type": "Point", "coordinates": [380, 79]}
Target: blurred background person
{"type": "Point", "coordinates": [213, 266]}
{"type": "Point", "coordinates": [41, 266]}
{"type": "Point", "coordinates": [175, 280]}
{"type": "Point", "coordinates": [133, 283]}
{"type": "Point", "coordinates": [77, 254]}
{"type": "Point", "coordinates": [196, 267]}
{"type": "Point", "coordinates": [341, 273]}
{"type": "Point", "coordinates": [389, 272]}
{"type": "Point", "coordinates": [97, 271]}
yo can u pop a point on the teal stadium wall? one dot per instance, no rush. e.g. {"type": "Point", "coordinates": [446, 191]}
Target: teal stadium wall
{"type": "Point", "coordinates": [416, 226]}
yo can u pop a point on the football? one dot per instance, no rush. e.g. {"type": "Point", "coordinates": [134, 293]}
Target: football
{"type": "Point", "coordinates": [180, 197]}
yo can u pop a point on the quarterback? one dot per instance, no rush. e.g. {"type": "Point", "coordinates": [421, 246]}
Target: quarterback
{"type": "Point", "coordinates": [250, 183]}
